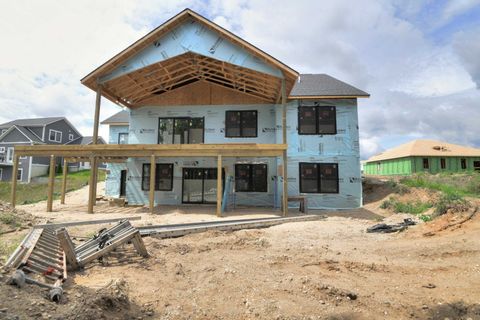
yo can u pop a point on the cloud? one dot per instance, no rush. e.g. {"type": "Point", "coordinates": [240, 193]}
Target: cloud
{"type": "Point", "coordinates": [467, 46]}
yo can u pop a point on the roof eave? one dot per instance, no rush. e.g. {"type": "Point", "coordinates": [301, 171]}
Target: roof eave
{"type": "Point", "coordinates": [305, 97]}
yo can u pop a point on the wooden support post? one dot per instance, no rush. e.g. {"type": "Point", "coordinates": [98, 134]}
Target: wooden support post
{"type": "Point", "coordinates": [68, 247]}
{"type": "Point", "coordinates": [153, 172]}
{"type": "Point", "coordinates": [285, 159]}
{"type": "Point", "coordinates": [219, 185]}
{"type": "Point", "coordinates": [64, 181]}
{"type": "Point", "coordinates": [51, 183]}
{"type": "Point", "coordinates": [97, 114]}
{"type": "Point", "coordinates": [91, 183]}
{"type": "Point", "coordinates": [14, 181]}
{"type": "Point", "coordinates": [95, 184]}
{"type": "Point", "coordinates": [139, 245]}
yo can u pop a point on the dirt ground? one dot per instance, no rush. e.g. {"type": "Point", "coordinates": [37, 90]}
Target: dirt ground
{"type": "Point", "coordinates": [325, 269]}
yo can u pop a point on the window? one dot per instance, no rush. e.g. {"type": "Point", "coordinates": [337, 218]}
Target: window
{"type": "Point", "coordinates": [2, 149]}
{"type": "Point", "coordinates": [317, 120]}
{"type": "Point", "coordinates": [123, 138]}
{"type": "Point", "coordinates": [319, 178]}
{"type": "Point", "coordinates": [463, 163]}
{"type": "Point", "coordinates": [241, 124]}
{"type": "Point", "coordinates": [10, 154]}
{"type": "Point", "coordinates": [425, 163]}
{"type": "Point", "coordinates": [1, 173]}
{"type": "Point", "coordinates": [476, 165]}
{"type": "Point", "coordinates": [379, 166]}
{"type": "Point", "coordinates": [180, 130]}
{"type": "Point", "coordinates": [19, 174]}
{"type": "Point", "coordinates": [443, 163]}
{"type": "Point", "coordinates": [54, 135]}
{"type": "Point", "coordinates": [163, 177]}
{"type": "Point", "coordinates": [251, 178]}
{"type": "Point", "coordinates": [70, 136]}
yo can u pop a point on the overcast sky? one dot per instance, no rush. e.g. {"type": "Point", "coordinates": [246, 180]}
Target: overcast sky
{"type": "Point", "coordinates": [419, 60]}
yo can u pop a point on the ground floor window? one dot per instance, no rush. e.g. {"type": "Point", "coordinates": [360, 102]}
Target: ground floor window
{"type": "Point", "coordinates": [319, 178]}
{"type": "Point", "coordinates": [251, 178]}
{"type": "Point", "coordinates": [443, 163]}
{"type": "Point", "coordinates": [463, 163]}
{"type": "Point", "coordinates": [163, 177]}
{"type": "Point", "coordinates": [476, 165]}
{"type": "Point", "coordinates": [425, 163]}
{"type": "Point", "coordinates": [19, 174]}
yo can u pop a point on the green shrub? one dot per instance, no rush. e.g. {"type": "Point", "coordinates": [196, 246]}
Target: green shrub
{"type": "Point", "coordinates": [397, 206]}
{"type": "Point", "coordinates": [453, 201]}
{"type": "Point", "coordinates": [9, 219]}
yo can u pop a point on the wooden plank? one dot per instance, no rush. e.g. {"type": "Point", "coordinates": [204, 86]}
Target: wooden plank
{"type": "Point", "coordinates": [51, 182]}
{"type": "Point", "coordinates": [219, 186]}
{"type": "Point", "coordinates": [68, 248]}
{"type": "Point", "coordinates": [14, 180]}
{"type": "Point", "coordinates": [285, 185]}
{"type": "Point", "coordinates": [96, 119]}
{"type": "Point", "coordinates": [139, 245]}
{"type": "Point", "coordinates": [64, 181]}
{"type": "Point", "coordinates": [326, 97]}
{"type": "Point", "coordinates": [284, 141]}
{"type": "Point", "coordinates": [153, 170]}
{"type": "Point", "coordinates": [82, 223]}
{"type": "Point", "coordinates": [91, 181]}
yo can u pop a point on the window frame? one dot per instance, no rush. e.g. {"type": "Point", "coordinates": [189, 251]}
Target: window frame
{"type": "Point", "coordinates": [122, 134]}
{"type": "Point", "coordinates": [251, 177]}
{"type": "Point", "coordinates": [2, 149]}
{"type": "Point", "coordinates": [463, 163]}
{"type": "Point", "coordinates": [157, 170]}
{"type": "Point", "coordinates": [21, 174]}
{"type": "Point", "coordinates": [10, 154]}
{"type": "Point", "coordinates": [443, 163]}
{"type": "Point", "coordinates": [55, 132]}
{"type": "Point", "coordinates": [317, 121]}
{"type": "Point", "coordinates": [319, 183]}
{"type": "Point", "coordinates": [174, 122]}
{"type": "Point", "coordinates": [241, 127]}
{"type": "Point", "coordinates": [70, 137]}
{"type": "Point", "coordinates": [425, 164]}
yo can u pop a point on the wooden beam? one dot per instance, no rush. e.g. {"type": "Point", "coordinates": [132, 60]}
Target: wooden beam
{"type": "Point", "coordinates": [64, 181]}
{"type": "Point", "coordinates": [91, 182]}
{"type": "Point", "coordinates": [285, 158]}
{"type": "Point", "coordinates": [219, 185]}
{"type": "Point", "coordinates": [68, 248]}
{"type": "Point", "coordinates": [153, 170]}
{"type": "Point", "coordinates": [14, 180]}
{"type": "Point", "coordinates": [51, 182]}
{"type": "Point", "coordinates": [326, 97]}
{"type": "Point", "coordinates": [97, 115]}
{"type": "Point", "coordinates": [285, 185]}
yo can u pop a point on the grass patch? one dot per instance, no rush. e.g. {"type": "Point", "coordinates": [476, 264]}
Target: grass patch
{"type": "Point", "coordinates": [35, 192]}
{"type": "Point", "coordinates": [8, 246]}
{"type": "Point", "coordinates": [462, 184]}
{"type": "Point", "coordinates": [451, 201]}
{"type": "Point", "coordinates": [398, 206]}
{"type": "Point", "coordinates": [10, 219]}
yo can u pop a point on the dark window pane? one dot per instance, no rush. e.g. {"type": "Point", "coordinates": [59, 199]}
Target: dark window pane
{"type": "Point", "coordinates": [425, 163]}
{"type": "Point", "coordinates": [249, 124]}
{"type": "Point", "coordinates": [165, 131]}
{"type": "Point", "coordinates": [329, 178]}
{"type": "Point", "coordinates": [242, 177]}
{"type": "Point", "coordinates": [326, 120]}
{"type": "Point", "coordinates": [259, 178]}
{"type": "Point", "coordinates": [464, 163]}
{"type": "Point", "coordinates": [309, 177]}
{"type": "Point", "coordinates": [146, 177]}
{"type": "Point", "coordinates": [443, 164]}
{"type": "Point", "coordinates": [306, 120]}
{"type": "Point", "coordinates": [181, 128]}
{"type": "Point", "coordinates": [196, 130]}
{"type": "Point", "coordinates": [164, 177]}
{"type": "Point", "coordinates": [232, 124]}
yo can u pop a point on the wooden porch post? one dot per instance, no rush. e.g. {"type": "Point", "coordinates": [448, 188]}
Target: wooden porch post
{"type": "Point", "coordinates": [153, 172]}
{"type": "Point", "coordinates": [51, 183]}
{"type": "Point", "coordinates": [91, 187]}
{"type": "Point", "coordinates": [14, 180]}
{"type": "Point", "coordinates": [97, 114]}
{"type": "Point", "coordinates": [64, 181]}
{"type": "Point", "coordinates": [284, 132]}
{"type": "Point", "coordinates": [219, 185]}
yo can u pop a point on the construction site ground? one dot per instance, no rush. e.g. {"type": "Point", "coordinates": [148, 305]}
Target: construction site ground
{"type": "Point", "coordinates": [325, 269]}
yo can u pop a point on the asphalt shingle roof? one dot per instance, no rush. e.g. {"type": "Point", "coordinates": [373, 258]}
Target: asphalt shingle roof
{"type": "Point", "coordinates": [324, 85]}
{"type": "Point", "coordinates": [119, 117]}
{"type": "Point", "coordinates": [34, 122]}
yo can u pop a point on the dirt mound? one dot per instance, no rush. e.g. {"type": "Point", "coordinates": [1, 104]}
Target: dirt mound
{"type": "Point", "coordinates": [12, 219]}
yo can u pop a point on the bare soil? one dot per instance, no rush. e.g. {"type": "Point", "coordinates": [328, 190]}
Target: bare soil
{"type": "Point", "coordinates": [327, 269]}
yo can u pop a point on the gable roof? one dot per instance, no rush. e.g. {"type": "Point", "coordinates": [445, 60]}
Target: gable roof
{"type": "Point", "coordinates": [89, 80]}
{"type": "Point", "coordinates": [33, 122]}
{"type": "Point", "coordinates": [118, 118]}
{"type": "Point", "coordinates": [86, 140]}
{"type": "Point", "coordinates": [323, 86]}
{"type": "Point", "coordinates": [426, 148]}
{"type": "Point", "coordinates": [24, 131]}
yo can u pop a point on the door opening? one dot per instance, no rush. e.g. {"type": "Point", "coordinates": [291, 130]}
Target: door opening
{"type": "Point", "coordinates": [199, 185]}
{"type": "Point", "coordinates": [123, 183]}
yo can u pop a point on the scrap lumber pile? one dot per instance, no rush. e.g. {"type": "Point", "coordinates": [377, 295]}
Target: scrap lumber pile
{"type": "Point", "coordinates": [47, 251]}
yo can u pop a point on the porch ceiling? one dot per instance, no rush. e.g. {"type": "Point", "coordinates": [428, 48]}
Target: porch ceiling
{"type": "Point", "coordinates": [138, 88]}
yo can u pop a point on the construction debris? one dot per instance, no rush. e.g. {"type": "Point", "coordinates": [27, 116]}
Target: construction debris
{"type": "Point", "coordinates": [389, 228]}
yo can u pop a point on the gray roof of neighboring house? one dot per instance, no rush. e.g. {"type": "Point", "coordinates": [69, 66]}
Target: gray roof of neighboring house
{"type": "Point", "coordinates": [30, 135]}
{"type": "Point", "coordinates": [34, 122]}
{"type": "Point", "coordinates": [87, 140]}
{"type": "Point", "coordinates": [119, 117]}
{"type": "Point", "coordinates": [324, 85]}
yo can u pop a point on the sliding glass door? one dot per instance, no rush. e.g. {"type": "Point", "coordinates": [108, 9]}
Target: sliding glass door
{"type": "Point", "coordinates": [180, 130]}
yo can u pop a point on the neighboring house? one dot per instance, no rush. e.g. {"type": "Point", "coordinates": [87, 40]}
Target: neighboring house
{"type": "Point", "coordinates": [192, 82]}
{"type": "Point", "coordinates": [424, 156]}
{"type": "Point", "coordinates": [115, 183]}
{"type": "Point", "coordinates": [77, 166]}
{"type": "Point", "coordinates": [36, 131]}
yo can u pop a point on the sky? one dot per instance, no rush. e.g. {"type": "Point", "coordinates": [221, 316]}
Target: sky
{"type": "Point", "coordinates": [419, 60]}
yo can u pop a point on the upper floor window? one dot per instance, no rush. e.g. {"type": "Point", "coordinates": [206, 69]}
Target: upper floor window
{"type": "Point", "coordinates": [317, 120]}
{"type": "Point", "coordinates": [70, 136]}
{"type": "Point", "coordinates": [123, 138]}
{"type": "Point", "coordinates": [10, 153]}
{"type": "Point", "coordinates": [163, 177]}
{"type": "Point", "coordinates": [241, 124]}
{"type": "Point", "coordinates": [180, 130]}
{"type": "Point", "coordinates": [251, 177]}
{"type": "Point", "coordinates": [319, 178]}
{"type": "Point", "coordinates": [54, 135]}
